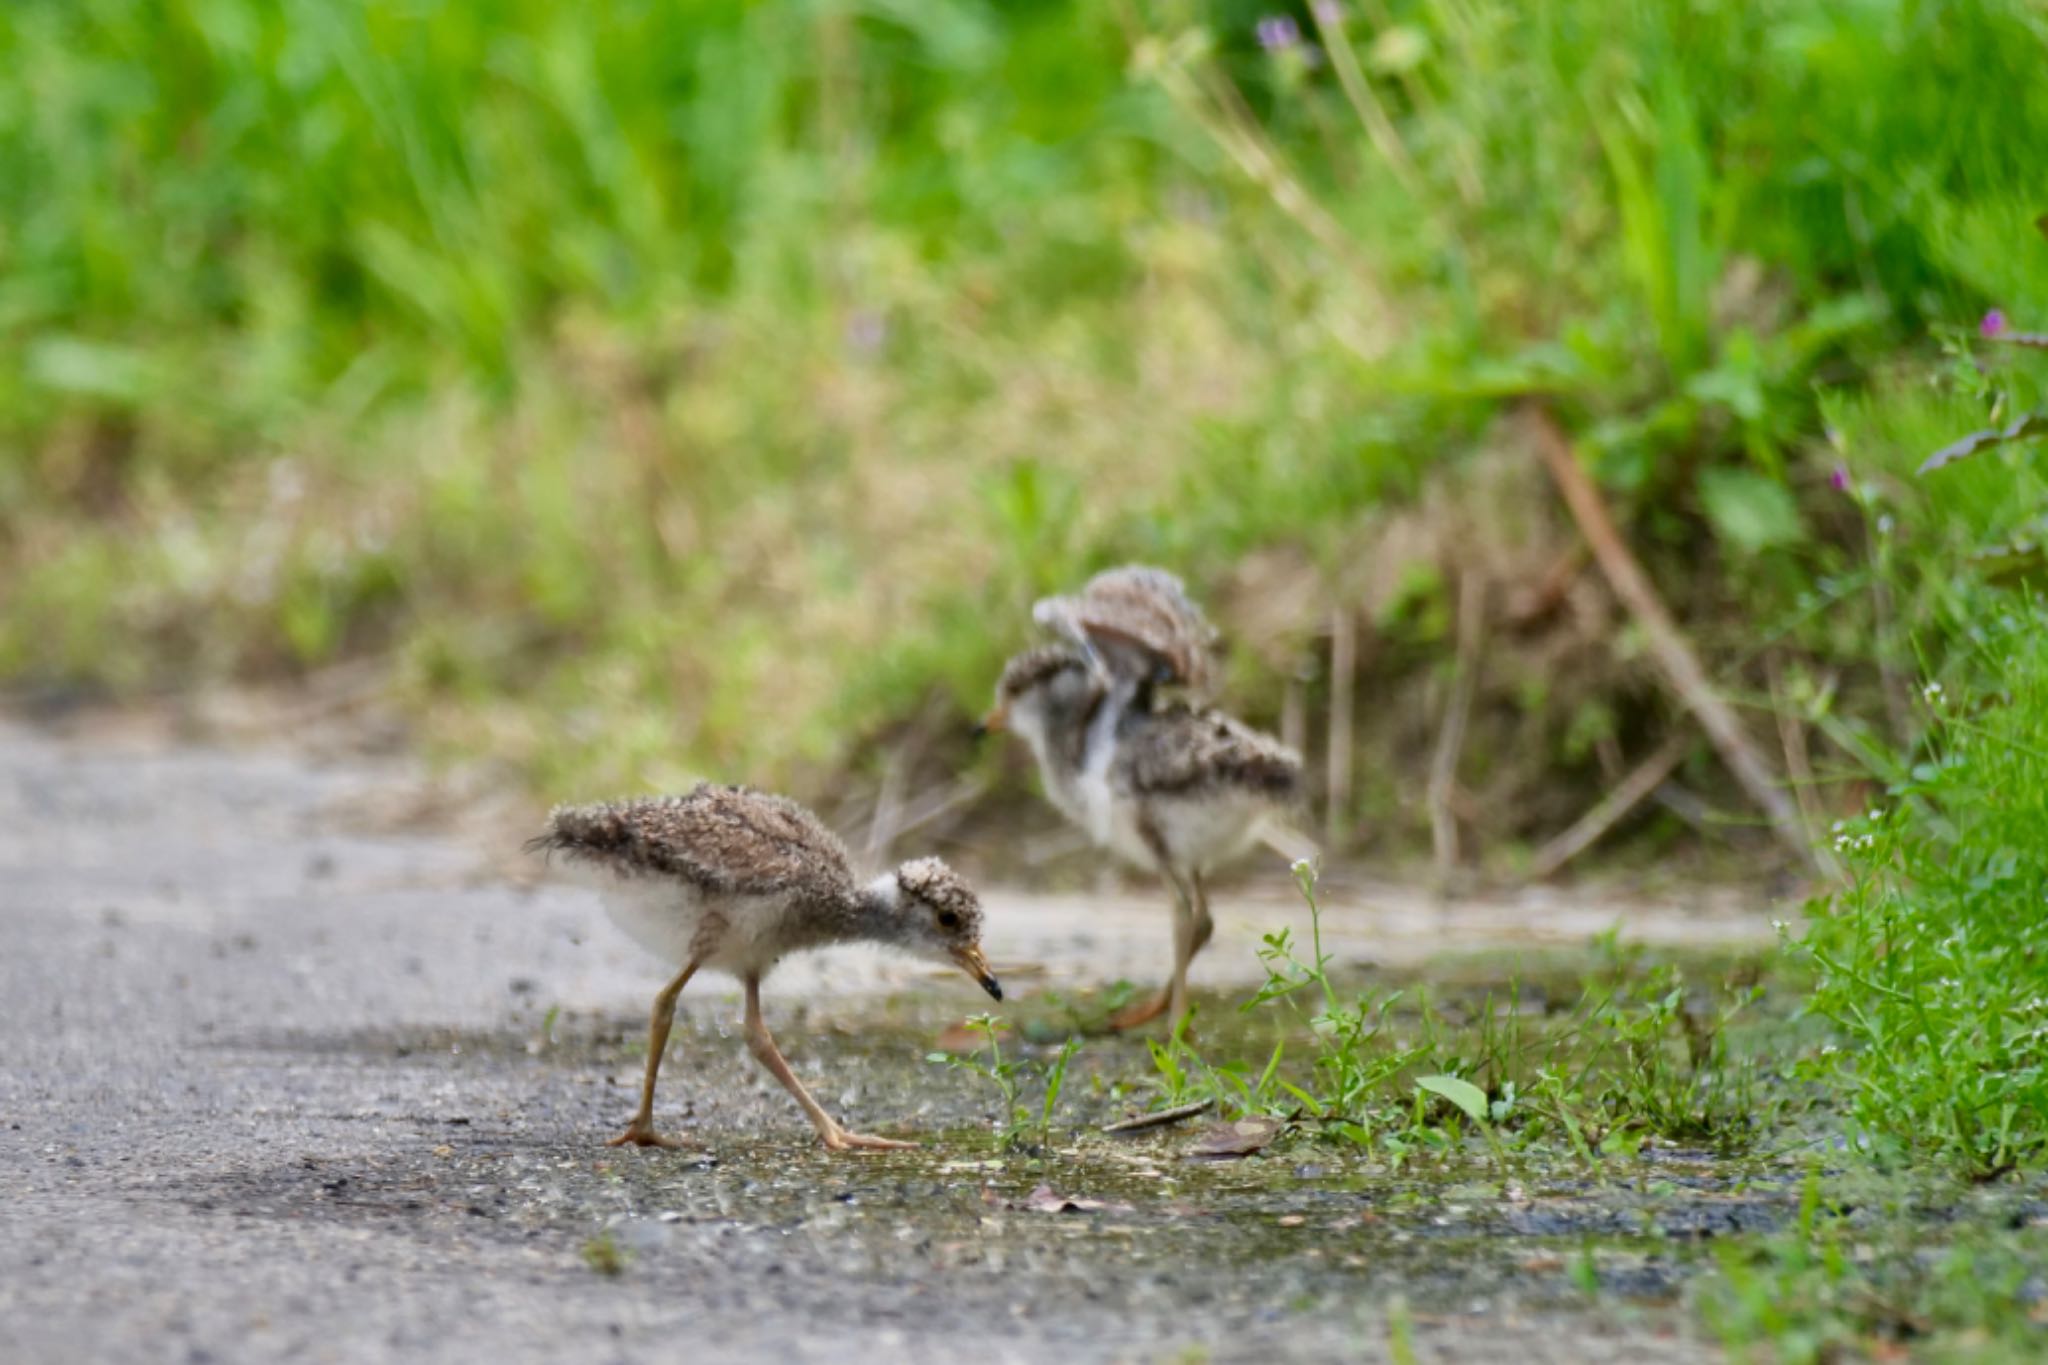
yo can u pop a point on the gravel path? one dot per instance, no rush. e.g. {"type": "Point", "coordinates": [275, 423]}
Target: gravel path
{"type": "Point", "coordinates": [275, 1085]}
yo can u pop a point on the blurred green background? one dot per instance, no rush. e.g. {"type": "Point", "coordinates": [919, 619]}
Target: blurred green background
{"type": "Point", "coordinates": [643, 390]}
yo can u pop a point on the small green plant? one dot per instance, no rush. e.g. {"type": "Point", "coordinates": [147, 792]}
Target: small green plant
{"type": "Point", "coordinates": [1673, 1072]}
{"type": "Point", "coordinates": [1021, 1124]}
{"type": "Point", "coordinates": [1354, 1052]}
{"type": "Point", "coordinates": [1400, 1332]}
{"type": "Point", "coordinates": [1055, 1082]}
{"type": "Point", "coordinates": [1826, 1289]}
{"type": "Point", "coordinates": [1472, 1102]}
{"type": "Point", "coordinates": [1640, 1053]}
{"type": "Point", "coordinates": [604, 1255]}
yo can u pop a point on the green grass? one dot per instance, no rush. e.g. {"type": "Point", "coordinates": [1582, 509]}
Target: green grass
{"type": "Point", "coordinates": [661, 392]}
{"type": "Point", "coordinates": [1931, 965]}
{"type": "Point", "coordinates": [1584, 1067]}
{"type": "Point", "coordinates": [1904, 1079]}
{"type": "Point", "coordinates": [1834, 1286]}
{"type": "Point", "coordinates": [604, 1255]}
{"type": "Point", "coordinates": [1018, 1125]}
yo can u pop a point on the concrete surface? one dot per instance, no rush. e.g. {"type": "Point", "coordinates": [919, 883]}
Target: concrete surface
{"type": "Point", "coordinates": [279, 1084]}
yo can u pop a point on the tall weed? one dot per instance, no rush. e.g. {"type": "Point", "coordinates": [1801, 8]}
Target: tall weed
{"type": "Point", "coordinates": [1933, 964]}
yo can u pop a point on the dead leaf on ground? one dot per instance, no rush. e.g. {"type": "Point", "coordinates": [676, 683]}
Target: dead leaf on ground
{"type": "Point", "coordinates": [1045, 1200]}
{"type": "Point", "coordinates": [1228, 1141]}
{"type": "Point", "coordinates": [961, 1039]}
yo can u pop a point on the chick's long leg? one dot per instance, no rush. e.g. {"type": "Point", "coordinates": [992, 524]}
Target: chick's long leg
{"type": "Point", "coordinates": [640, 1132]}
{"type": "Point", "coordinates": [1188, 937]}
{"type": "Point", "coordinates": [762, 1044]}
{"type": "Point", "coordinates": [1205, 927]}
{"type": "Point", "coordinates": [1189, 934]}
{"type": "Point", "coordinates": [1190, 931]}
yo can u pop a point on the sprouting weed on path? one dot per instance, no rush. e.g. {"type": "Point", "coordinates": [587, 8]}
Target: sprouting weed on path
{"type": "Point", "coordinates": [1021, 1124]}
{"type": "Point", "coordinates": [1643, 1052]}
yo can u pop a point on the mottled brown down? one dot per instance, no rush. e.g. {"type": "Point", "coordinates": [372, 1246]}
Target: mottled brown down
{"type": "Point", "coordinates": [1189, 751]}
{"type": "Point", "coordinates": [1034, 668]}
{"type": "Point", "coordinates": [1171, 784]}
{"type": "Point", "coordinates": [722, 839]}
{"type": "Point", "coordinates": [1142, 624]}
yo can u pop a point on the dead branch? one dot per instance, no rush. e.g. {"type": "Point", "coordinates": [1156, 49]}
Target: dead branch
{"type": "Point", "coordinates": [886, 824]}
{"type": "Point", "coordinates": [1450, 743]}
{"type": "Point", "coordinates": [1681, 801]}
{"type": "Point", "coordinates": [1343, 682]}
{"type": "Point", "coordinates": [888, 813]}
{"type": "Point", "coordinates": [1294, 713]}
{"type": "Point", "coordinates": [1799, 765]}
{"type": "Point", "coordinates": [1668, 646]}
{"type": "Point", "coordinates": [936, 805]}
{"type": "Point", "coordinates": [1605, 813]}
{"type": "Point", "coordinates": [1160, 1118]}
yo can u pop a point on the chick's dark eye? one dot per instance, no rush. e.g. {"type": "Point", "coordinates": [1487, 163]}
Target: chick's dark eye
{"type": "Point", "coordinates": [948, 920]}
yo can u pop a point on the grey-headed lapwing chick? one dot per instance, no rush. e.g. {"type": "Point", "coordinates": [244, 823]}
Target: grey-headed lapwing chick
{"type": "Point", "coordinates": [735, 880]}
{"type": "Point", "coordinates": [1175, 787]}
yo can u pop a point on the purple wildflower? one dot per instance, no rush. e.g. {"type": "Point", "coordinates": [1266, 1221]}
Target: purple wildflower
{"type": "Point", "coordinates": [1279, 33]}
{"type": "Point", "coordinates": [1993, 323]}
{"type": "Point", "coordinates": [1328, 12]}
{"type": "Point", "coordinates": [1839, 480]}
{"type": "Point", "coordinates": [866, 331]}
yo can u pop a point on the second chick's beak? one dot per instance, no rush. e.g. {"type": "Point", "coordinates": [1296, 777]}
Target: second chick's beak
{"type": "Point", "coordinates": [994, 723]}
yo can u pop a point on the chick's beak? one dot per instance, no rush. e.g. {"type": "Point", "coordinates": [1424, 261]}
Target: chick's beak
{"type": "Point", "coordinates": [994, 723]}
{"type": "Point", "coordinates": [975, 965]}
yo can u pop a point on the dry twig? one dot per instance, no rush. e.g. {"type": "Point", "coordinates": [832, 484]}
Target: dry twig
{"type": "Point", "coordinates": [1159, 1118]}
{"type": "Point", "coordinates": [1799, 766]}
{"type": "Point", "coordinates": [1343, 682]}
{"type": "Point", "coordinates": [1668, 646]}
{"type": "Point", "coordinates": [1609, 809]}
{"type": "Point", "coordinates": [1450, 743]}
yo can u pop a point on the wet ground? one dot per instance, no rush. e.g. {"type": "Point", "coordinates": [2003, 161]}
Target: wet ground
{"type": "Point", "coordinates": [280, 1083]}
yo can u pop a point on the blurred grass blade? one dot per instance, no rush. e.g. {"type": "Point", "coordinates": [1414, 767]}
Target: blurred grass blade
{"type": "Point", "coordinates": [2026, 424]}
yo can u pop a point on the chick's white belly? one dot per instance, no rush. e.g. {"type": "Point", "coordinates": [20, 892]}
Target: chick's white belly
{"type": "Point", "coordinates": [1102, 811]}
{"type": "Point", "coordinates": [1201, 833]}
{"type": "Point", "coordinates": [667, 919]}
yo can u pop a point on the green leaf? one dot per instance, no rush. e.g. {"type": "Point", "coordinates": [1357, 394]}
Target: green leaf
{"type": "Point", "coordinates": [1750, 512]}
{"type": "Point", "coordinates": [1302, 1097]}
{"type": "Point", "coordinates": [89, 369]}
{"type": "Point", "coordinates": [1398, 48]}
{"type": "Point", "coordinates": [1462, 1093]}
